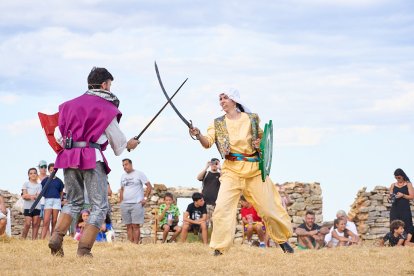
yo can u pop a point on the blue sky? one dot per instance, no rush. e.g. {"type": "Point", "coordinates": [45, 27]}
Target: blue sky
{"type": "Point", "coordinates": [336, 78]}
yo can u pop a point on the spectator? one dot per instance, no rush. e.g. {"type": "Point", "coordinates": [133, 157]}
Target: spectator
{"type": "Point", "coordinates": [80, 225]}
{"type": "Point", "coordinates": [42, 175]}
{"type": "Point", "coordinates": [53, 201]}
{"type": "Point", "coordinates": [401, 192]}
{"type": "Point", "coordinates": [195, 218]}
{"type": "Point", "coordinates": [342, 236]}
{"type": "Point", "coordinates": [31, 189]}
{"type": "Point", "coordinates": [169, 215]}
{"type": "Point", "coordinates": [252, 222]}
{"type": "Point", "coordinates": [341, 214]}
{"type": "Point", "coordinates": [3, 216]}
{"type": "Point", "coordinates": [210, 186]}
{"type": "Point", "coordinates": [87, 124]}
{"type": "Point", "coordinates": [310, 235]}
{"type": "Point", "coordinates": [133, 199]}
{"type": "Point", "coordinates": [396, 236]}
{"type": "Point", "coordinates": [105, 228]}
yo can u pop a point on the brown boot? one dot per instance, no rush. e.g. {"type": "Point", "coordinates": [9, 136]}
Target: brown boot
{"type": "Point", "coordinates": [56, 240]}
{"type": "Point", "coordinates": [87, 240]}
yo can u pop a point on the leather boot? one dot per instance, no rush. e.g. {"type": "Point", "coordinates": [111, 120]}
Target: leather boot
{"type": "Point", "coordinates": [56, 240]}
{"type": "Point", "coordinates": [87, 240]}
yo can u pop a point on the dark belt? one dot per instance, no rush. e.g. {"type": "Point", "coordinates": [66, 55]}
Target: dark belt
{"type": "Point", "coordinates": [243, 157]}
{"type": "Point", "coordinates": [86, 145]}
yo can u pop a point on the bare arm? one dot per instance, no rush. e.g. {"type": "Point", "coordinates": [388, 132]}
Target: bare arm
{"type": "Point", "coordinates": [2, 206]}
{"type": "Point", "coordinates": [162, 215]}
{"type": "Point", "coordinates": [410, 192]}
{"type": "Point", "coordinates": [202, 174]}
{"type": "Point", "coordinates": [391, 188]}
{"type": "Point", "coordinates": [26, 196]}
{"type": "Point", "coordinates": [339, 238]}
{"type": "Point", "coordinates": [121, 194]}
{"type": "Point", "coordinates": [303, 232]}
{"type": "Point", "coordinates": [148, 190]}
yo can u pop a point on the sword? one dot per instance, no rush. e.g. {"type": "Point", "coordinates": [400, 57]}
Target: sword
{"type": "Point", "coordinates": [189, 123]}
{"type": "Point", "coordinates": [158, 113]}
{"type": "Point", "coordinates": [42, 193]}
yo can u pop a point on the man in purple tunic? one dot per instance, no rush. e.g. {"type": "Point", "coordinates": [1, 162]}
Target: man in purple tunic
{"type": "Point", "coordinates": [86, 125]}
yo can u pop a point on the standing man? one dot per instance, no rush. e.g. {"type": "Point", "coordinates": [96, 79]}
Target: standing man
{"type": "Point", "coordinates": [211, 186]}
{"type": "Point", "coordinates": [133, 199]}
{"type": "Point", "coordinates": [87, 124]}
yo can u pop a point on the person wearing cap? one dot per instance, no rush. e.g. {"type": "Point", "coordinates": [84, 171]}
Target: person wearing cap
{"type": "Point", "coordinates": [210, 186]}
{"type": "Point", "coordinates": [237, 135]}
{"type": "Point", "coordinates": [87, 124]}
{"type": "Point", "coordinates": [341, 214]}
{"type": "Point", "coordinates": [42, 175]}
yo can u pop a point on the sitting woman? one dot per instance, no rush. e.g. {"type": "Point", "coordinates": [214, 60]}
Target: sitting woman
{"type": "Point", "coordinates": [342, 236]}
{"type": "Point", "coordinates": [83, 218]}
{"type": "Point", "coordinates": [106, 227]}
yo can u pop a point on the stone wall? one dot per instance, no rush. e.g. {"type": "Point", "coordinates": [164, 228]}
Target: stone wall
{"type": "Point", "coordinates": [303, 195]}
{"type": "Point", "coordinates": [371, 211]}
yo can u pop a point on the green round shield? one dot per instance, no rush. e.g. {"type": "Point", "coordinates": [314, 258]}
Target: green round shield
{"type": "Point", "coordinates": [266, 148]}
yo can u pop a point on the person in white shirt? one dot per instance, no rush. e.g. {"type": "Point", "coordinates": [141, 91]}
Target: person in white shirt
{"type": "Point", "coordinates": [133, 198]}
{"type": "Point", "coordinates": [341, 214]}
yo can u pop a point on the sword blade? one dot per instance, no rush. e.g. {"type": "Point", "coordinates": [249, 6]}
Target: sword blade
{"type": "Point", "coordinates": [158, 113]}
{"type": "Point", "coordinates": [189, 125]}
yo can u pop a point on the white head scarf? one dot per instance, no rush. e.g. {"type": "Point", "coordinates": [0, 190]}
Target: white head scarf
{"type": "Point", "coordinates": [235, 96]}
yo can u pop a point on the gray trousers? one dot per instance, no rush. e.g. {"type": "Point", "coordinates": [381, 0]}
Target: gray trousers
{"type": "Point", "coordinates": [96, 184]}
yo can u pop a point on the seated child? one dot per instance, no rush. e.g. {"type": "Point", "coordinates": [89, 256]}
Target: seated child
{"type": "Point", "coordinates": [195, 218]}
{"type": "Point", "coordinates": [105, 227]}
{"type": "Point", "coordinates": [396, 236]}
{"type": "Point", "coordinates": [169, 215]}
{"type": "Point", "coordinates": [83, 218]}
{"type": "Point", "coordinates": [252, 222]}
{"type": "Point", "coordinates": [342, 236]}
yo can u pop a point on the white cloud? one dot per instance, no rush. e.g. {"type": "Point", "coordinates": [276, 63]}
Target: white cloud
{"type": "Point", "coordinates": [22, 126]}
{"type": "Point", "coordinates": [301, 136]}
{"type": "Point", "coordinates": [9, 99]}
{"type": "Point", "coordinates": [401, 102]}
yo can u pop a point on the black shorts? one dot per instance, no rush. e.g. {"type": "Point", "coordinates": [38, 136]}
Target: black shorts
{"type": "Point", "coordinates": [36, 212]}
{"type": "Point", "coordinates": [171, 227]}
{"type": "Point", "coordinates": [195, 228]}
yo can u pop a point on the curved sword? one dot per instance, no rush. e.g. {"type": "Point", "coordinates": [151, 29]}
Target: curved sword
{"type": "Point", "coordinates": [189, 124]}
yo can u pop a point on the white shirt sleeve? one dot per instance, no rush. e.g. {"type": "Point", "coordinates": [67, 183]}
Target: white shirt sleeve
{"type": "Point", "coordinates": [352, 227]}
{"type": "Point", "coordinates": [58, 136]}
{"type": "Point", "coordinates": [116, 137]}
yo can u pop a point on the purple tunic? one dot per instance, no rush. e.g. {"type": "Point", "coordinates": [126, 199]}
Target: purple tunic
{"type": "Point", "coordinates": [86, 117]}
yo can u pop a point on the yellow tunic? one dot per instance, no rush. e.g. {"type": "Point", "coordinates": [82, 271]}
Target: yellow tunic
{"type": "Point", "coordinates": [242, 177]}
{"type": "Point", "coordinates": [240, 134]}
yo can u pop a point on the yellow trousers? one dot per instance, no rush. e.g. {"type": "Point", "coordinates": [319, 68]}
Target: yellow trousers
{"type": "Point", "coordinates": [265, 199]}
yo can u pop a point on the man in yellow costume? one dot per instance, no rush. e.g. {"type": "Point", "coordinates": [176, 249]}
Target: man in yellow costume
{"type": "Point", "coordinates": [237, 135]}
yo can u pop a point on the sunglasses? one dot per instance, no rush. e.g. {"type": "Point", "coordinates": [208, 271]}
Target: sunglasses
{"type": "Point", "coordinates": [43, 167]}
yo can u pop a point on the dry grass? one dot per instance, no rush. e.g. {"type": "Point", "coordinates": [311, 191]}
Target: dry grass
{"type": "Point", "coordinates": [19, 257]}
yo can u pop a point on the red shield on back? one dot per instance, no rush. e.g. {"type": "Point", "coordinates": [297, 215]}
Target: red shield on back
{"type": "Point", "coordinates": [49, 123]}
